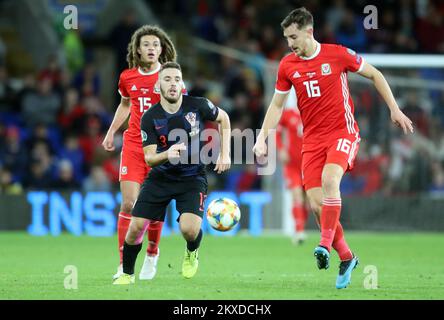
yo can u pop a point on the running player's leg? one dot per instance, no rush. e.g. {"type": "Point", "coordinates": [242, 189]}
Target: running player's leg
{"type": "Point", "coordinates": [313, 163]}
{"type": "Point", "coordinates": [131, 248]}
{"type": "Point", "coordinates": [340, 158]}
{"type": "Point", "coordinates": [331, 203]}
{"type": "Point", "coordinates": [294, 183]}
{"type": "Point", "coordinates": [190, 227]}
{"type": "Point", "coordinates": [299, 214]}
{"type": "Point", "coordinates": [130, 191]}
{"type": "Point", "coordinates": [190, 202]}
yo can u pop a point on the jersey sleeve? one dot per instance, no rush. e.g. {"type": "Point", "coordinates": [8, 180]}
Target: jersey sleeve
{"type": "Point", "coordinates": [351, 60]}
{"type": "Point", "coordinates": [283, 84]}
{"type": "Point", "coordinates": [122, 89]}
{"type": "Point", "coordinates": [208, 110]}
{"type": "Point", "coordinates": [147, 131]}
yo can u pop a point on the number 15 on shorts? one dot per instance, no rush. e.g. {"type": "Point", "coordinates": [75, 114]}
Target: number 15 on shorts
{"type": "Point", "coordinates": [344, 145]}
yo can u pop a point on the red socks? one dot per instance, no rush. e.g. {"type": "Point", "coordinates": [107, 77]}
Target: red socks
{"type": "Point", "coordinates": [300, 215]}
{"type": "Point", "coordinates": [331, 210]}
{"type": "Point", "coordinates": [153, 234]}
{"type": "Point", "coordinates": [340, 245]}
{"type": "Point", "coordinates": [123, 223]}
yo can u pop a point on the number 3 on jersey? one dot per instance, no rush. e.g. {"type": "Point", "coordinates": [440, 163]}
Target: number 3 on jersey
{"type": "Point", "coordinates": [313, 89]}
{"type": "Point", "coordinates": [144, 103]}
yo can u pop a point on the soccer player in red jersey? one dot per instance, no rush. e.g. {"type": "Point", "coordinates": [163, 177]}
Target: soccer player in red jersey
{"type": "Point", "coordinates": [150, 47]}
{"type": "Point", "coordinates": [318, 72]}
{"type": "Point", "coordinates": [289, 145]}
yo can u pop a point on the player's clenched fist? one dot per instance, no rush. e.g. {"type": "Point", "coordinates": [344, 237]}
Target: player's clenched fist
{"type": "Point", "coordinates": [260, 148]}
{"type": "Point", "coordinates": [108, 142]}
{"type": "Point", "coordinates": [175, 149]}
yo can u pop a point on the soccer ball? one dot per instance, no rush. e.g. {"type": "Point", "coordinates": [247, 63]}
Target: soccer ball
{"type": "Point", "coordinates": [223, 214]}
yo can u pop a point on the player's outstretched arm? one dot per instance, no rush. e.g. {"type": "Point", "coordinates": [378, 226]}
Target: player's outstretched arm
{"type": "Point", "coordinates": [122, 113]}
{"type": "Point", "coordinates": [271, 121]}
{"type": "Point", "coordinates": [223, 162]}
{"type": "Point", "coordinates": [397, 116]}
{"type": "Point", "coordinates": [152, 158]}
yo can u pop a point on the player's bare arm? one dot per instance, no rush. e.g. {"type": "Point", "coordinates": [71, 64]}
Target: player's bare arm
{"type": "Point", "coordinates": [271, 121]}
{"type": "Point", "coordinates": [122, 113]}
{"type": "Point", "coordinates": [153, 159]}
{"type": "Point", "coordinates": [223, 162]}
{"type": "Point", "coordinates": [397, 116]}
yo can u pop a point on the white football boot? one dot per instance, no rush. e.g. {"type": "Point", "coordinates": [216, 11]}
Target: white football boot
{"type": "Point", "coordinates": [119, 272]}
{"type": "Point", "coordinates": [149, 267]}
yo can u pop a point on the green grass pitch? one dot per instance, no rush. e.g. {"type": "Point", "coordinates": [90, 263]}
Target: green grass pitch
{"type": "Point", "coordinates": [409, 266]}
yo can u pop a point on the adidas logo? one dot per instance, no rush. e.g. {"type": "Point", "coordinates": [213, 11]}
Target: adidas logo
{"type": "Point", "coordinates": [296, 75]}
{"type": "Point", "coordinates": [134, 88]}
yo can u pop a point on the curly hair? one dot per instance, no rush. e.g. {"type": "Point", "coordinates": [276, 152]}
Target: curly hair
{"type": "Point", "coordinates": [168, 50]}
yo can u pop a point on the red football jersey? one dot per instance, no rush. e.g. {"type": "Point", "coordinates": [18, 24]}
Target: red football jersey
{"type": "Point", "coordinates": [139, 87]}
{"type": "Point", "coordinates": [322, 91]}
{"type": "Point", "coordinates": [291, 123]}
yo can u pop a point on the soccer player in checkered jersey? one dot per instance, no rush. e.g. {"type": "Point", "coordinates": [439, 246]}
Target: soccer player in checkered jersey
{"type": "Point", "coordinates": [318, 72]}
{"type": "Point", "coordinates": [149, 48]}
{"type": "Point", "coordinates": [289, 145]}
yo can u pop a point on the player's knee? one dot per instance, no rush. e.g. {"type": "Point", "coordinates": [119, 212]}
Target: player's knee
{"type": "Point", "coordinates": [190, 233]}
{"type": "Point", "coordinates": [330, 184]}
{"type": "Point", "coordinates": [127, 205]}
{"type": "Point", "coordinates": [134, 231]}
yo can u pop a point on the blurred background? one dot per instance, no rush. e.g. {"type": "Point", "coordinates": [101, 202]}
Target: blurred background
{"type": "Point", "coordinates": [58, 94]}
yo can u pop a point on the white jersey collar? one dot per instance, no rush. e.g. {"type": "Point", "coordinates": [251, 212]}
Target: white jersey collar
{"type": "Point", "coordinates": [314, 55]}
{"type": "Point", "coordinates": [150, 72]}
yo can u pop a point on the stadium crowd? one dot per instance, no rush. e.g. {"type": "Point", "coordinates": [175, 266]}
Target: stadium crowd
{"type": "Point", "coordinates": [53, 120]}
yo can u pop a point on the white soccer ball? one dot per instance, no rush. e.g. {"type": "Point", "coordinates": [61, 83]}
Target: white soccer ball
{"type": "Point", "coordinates": [223, 214]}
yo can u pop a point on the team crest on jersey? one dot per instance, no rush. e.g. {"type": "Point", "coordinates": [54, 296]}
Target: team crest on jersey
{"type": "Point", "coordinates": [191, 118]}
{"type": "Point", "coordinates": [325, 69]}
{"type": "Point", "coordinates": [144, 90]}
{"type": "Point", "coordinates": [156, 90]}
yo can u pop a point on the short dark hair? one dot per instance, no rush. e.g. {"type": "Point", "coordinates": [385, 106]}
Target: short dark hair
{"type": "Point", "coordinates": [170, 65]}
{"type": "Point", "coordinates": [301, 16]}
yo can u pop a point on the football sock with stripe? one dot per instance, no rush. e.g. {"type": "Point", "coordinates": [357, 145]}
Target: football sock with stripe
{"type": "Point", "coordinates": [331, 210]}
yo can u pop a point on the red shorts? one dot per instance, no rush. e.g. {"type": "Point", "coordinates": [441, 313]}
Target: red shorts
{"type": "Point", "coordinates": [293, 176]}
{"type": "Point", "coordinates": [342, 151]}
{"type": "Point", "coordinates": [132, 164]}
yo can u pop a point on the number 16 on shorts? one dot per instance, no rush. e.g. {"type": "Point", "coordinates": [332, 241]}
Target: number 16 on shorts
{"type": "Point", "coordinates": [344, 145]}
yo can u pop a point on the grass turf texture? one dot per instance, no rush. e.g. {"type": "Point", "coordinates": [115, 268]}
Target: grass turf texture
{"type": "Point", "coordinates": [409, 266]}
